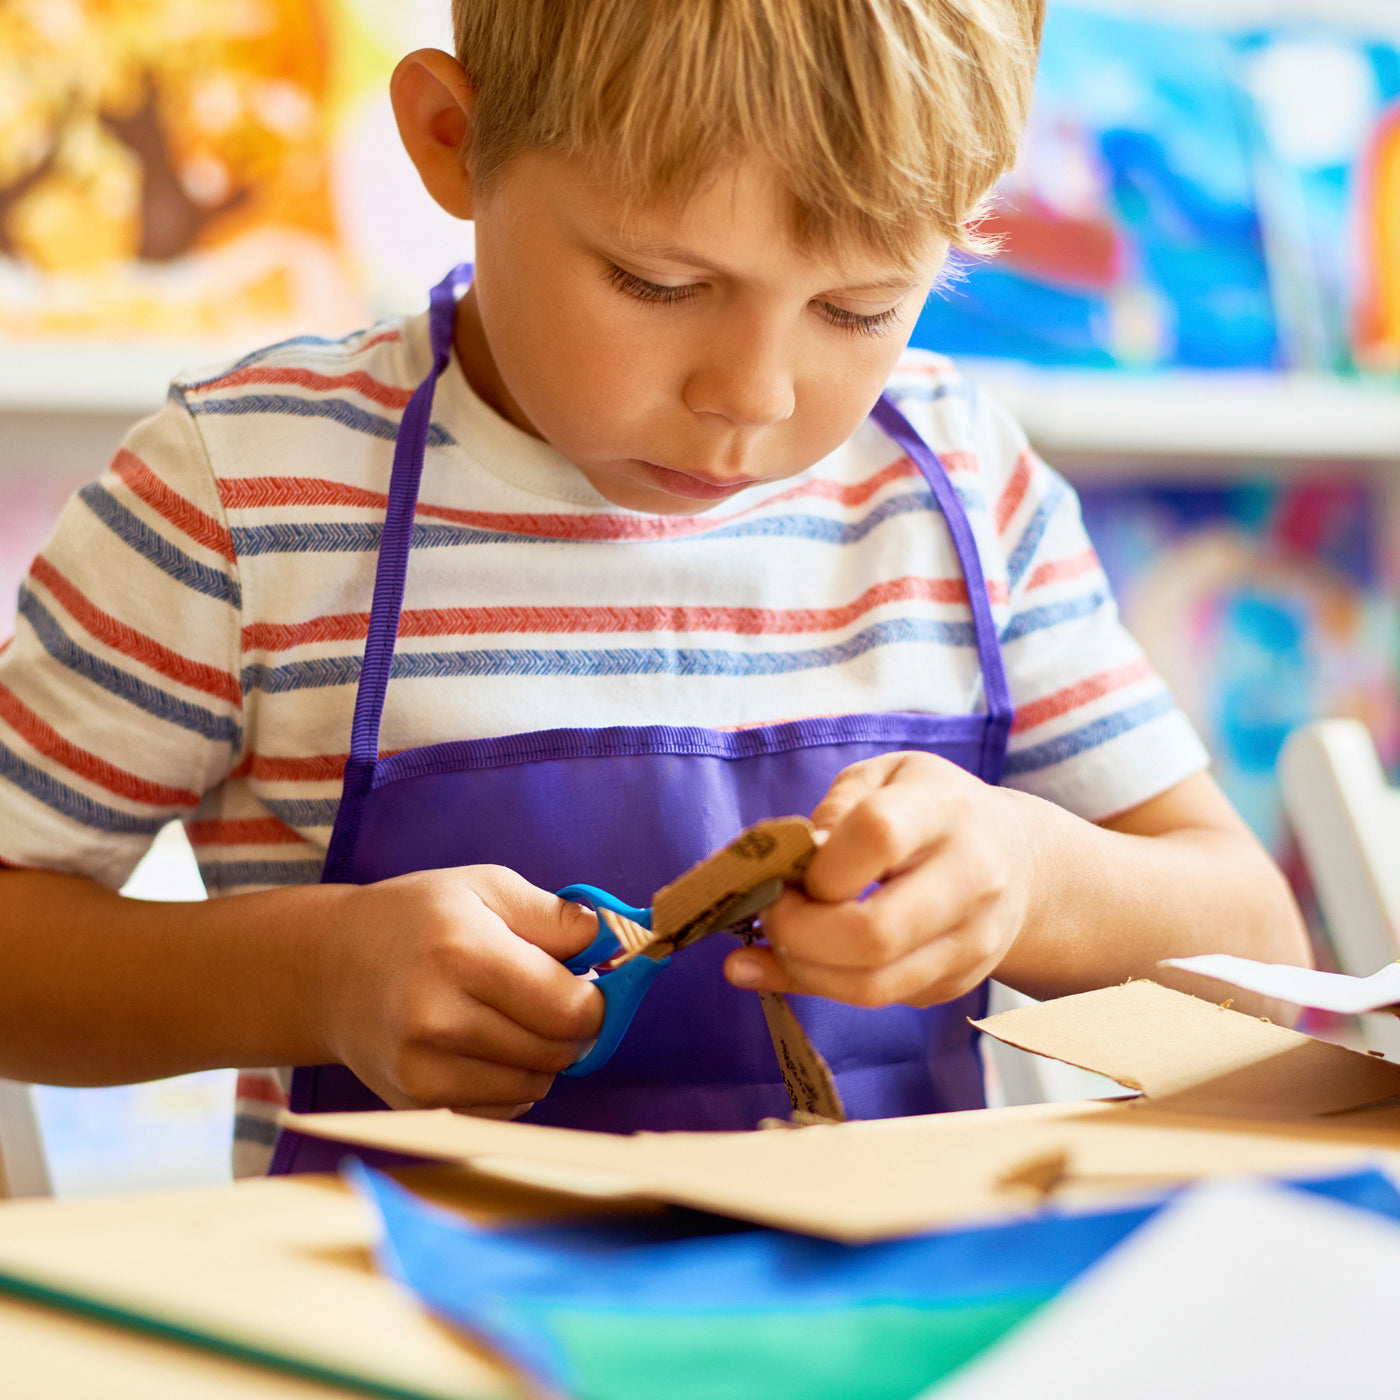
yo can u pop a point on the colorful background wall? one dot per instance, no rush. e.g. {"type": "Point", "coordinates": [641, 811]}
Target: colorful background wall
{"type": "Point", "coordinates": [1209, 195]}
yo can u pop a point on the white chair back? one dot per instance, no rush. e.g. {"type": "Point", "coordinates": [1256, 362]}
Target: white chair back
{"type": "Point", "coordinates": [1346, 816]}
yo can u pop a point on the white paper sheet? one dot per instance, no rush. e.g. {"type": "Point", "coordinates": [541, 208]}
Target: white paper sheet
{"type": "Point", "coordinates": [1324, 991]}
{"type": "Point", "coordinates": [1238, 1289]}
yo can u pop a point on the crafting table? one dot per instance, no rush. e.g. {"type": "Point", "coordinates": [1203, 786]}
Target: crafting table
{"type": "Point", "coordinates": [102, 1296]}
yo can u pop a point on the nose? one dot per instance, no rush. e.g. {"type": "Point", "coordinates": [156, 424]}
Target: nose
{"type": "Point", "coordinates": [744, 377]}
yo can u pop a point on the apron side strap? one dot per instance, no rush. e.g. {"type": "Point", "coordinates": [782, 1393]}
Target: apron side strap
{"type": "Point", "coordinates": [1000, 710]}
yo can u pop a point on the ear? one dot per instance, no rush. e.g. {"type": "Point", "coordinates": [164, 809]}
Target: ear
{"type": "Point", "coordinates": [434, 105]}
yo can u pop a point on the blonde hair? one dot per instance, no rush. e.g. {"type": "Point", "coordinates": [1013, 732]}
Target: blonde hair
{"type": "Point", "coordinates": [884, 118]}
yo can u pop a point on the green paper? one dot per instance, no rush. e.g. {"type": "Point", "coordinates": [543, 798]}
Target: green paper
{"type": "Point", "coordinates": [877, 1352]}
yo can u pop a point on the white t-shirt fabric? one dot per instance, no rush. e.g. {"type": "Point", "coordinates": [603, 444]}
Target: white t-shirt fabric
{"type": "Point", "coordinates": [189, 640]}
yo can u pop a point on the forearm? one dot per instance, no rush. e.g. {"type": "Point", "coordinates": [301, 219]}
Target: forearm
{"type": "Point", "coordinates": [1109, 904]}
{"type": "Point", "coordinates": [100, 989]}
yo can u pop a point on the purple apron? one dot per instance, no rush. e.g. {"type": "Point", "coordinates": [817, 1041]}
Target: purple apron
{"type": "Point", "coordinates": [629, 809]}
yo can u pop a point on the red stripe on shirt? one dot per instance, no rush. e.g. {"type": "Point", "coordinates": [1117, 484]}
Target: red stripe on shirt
{"type": "Point", "coordinates": [1074, 566]}
{"type": "Point", "coordinates": [959, 461]}
{"type": "Point", "coordinates": [248, 831]}
{"type": "Point", "coordinates": [137, 645]}
{"type": "Point", "coordinates": [312, 768]}
{"type": "Point", "coordinates": [253, 1086]}
{"type": "Point", "coordinates": [747, 622]}
{"type": "Point", "coordinates": [272, 492]}
{"type": "Point", "coordinates": [42, 736]}
{"type": "Point", "coordinates": [389, 395]}
{"type": "Point", "coordinates": [1014, 492]}
{"type": "Point", "coordinates": [382, 338]}
{"type": "Point", "coordinates": [192, 522]}
{"type": "Point", "coordinates": [1072, 697]}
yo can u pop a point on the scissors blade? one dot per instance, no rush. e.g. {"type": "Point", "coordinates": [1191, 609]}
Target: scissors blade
{"type": "Point", "coordinates": [633, 938]}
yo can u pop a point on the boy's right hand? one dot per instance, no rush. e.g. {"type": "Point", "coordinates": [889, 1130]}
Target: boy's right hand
{"type": "Point", "coordinates": [446, 989]}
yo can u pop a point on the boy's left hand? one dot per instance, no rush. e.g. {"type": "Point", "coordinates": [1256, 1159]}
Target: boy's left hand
{"type": "Point", "coordinates": [954, 861]}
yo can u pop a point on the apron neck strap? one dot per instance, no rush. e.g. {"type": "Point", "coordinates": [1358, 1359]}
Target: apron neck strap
{"type": "Point", "coordinates": [392, 570]}
{"type": "Point", "coordinates": [998, 694]}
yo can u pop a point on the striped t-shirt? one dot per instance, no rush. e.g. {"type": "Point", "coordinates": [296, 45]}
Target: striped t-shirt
{"type": "Point", "coordinates": [189, 640]}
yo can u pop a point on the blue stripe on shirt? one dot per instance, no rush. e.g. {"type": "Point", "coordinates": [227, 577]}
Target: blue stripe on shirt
{"type": "Point", "coordinates": [1052, 614]}
{"type": "Point", "coordinates": [266, 352]}
{"type": "Point", "coordinates": [302, 813]}
{"type": "Point", "coordinates": [68, 802]}
{"type": "Point", "coordinates": [1019, 559]}
{"type": "Point", "coordinates": [151, 545]}
{"type": "Point", "coordinates": [607, 661]}
{"type": "Point", "coordinates": [339, 537]}
{"type": "Point", "coordinates": [341, 411]}
{"type": "Point", "coordinates": [1088, 736]}
{"type": "Point", "coordinates": [227, 874]}
{"type": "Point", "coordinates": [115, 681]}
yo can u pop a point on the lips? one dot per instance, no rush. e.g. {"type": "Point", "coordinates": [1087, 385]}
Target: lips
{"type": "Point", "coordinates": [697, 488]}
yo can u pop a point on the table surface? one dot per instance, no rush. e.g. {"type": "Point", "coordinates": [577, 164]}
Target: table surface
{"type": "Point", "coordinates": [273, 1268]}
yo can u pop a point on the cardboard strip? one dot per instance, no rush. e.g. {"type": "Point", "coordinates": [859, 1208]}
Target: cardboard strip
{"type": "Point", "coordinates": [712, 895]}
{"type": "Point", "coordinates": [806, 1074]}
{"type": "Point", "coordinates": [1195, 1056]}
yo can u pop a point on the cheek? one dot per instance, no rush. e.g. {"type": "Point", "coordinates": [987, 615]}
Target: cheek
{"type": "Point", "coordinates": [841, 386]}
{"type": "Point", "coordinates": [580, 368]}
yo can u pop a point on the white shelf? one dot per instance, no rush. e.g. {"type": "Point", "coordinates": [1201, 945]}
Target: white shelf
{"type": "Point", "coordinates": [96, 377]}
{"type": "Point", "coordinates": [1174, 414]}
{"type": "Point", "coordinates": [1203, 414]}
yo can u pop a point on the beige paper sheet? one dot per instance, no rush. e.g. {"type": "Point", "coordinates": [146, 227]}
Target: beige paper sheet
{"type": "Point", "coordinates": [279, 1269]}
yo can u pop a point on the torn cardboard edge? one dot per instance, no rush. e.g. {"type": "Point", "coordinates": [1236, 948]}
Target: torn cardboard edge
{"type": "Point", "coordinates": [1225, 1093]}
{"type": "Point", "coordinates": [1197, 1056]}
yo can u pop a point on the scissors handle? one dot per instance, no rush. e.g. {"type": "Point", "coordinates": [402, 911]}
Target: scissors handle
{"type": "Point", "coordinates": [624, 987]}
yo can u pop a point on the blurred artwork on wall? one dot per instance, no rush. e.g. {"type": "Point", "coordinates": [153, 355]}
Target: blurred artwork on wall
{"type": "Point", "coordinates": [1323, 110]}
{"type": "Point", "coordinates": [1264, 604]}
{"type": "Point", "coordinates": [200, 171]}
{"type": "Point", "coordinates": [1194, 197]}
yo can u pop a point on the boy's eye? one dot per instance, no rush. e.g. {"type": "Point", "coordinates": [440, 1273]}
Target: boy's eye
{"type": "Point", "coordinates": [643, 290]}
{"type": "Point", "coordinates": [633, 286]}
{"type": "Point", "coordinates": [855, 321]}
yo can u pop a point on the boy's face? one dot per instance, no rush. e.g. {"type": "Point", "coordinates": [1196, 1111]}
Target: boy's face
{"type": "Point", "coordinates": [676, 353]}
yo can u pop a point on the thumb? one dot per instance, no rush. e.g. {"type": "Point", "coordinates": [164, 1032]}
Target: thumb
{"type": "Point", "coordinates": [757, 970]}
{"type": "Point", "coordinates": [557, 926]}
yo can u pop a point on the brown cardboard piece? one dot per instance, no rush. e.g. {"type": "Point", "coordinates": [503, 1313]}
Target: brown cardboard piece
{"type": "Point", "coordinates": [1194, 1056]}
{"type": "Point", "coordinates": [1228, 1093]}
{"type": "Point", "coordinates": [727, 889]}
{"type": "Point", "coordinates": [726, 892]}
{"type": "Point", "coordinates": [806, 1074]}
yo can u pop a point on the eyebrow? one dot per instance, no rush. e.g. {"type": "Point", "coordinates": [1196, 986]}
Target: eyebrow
{"type": "Point", "coordinates": [901, 278]}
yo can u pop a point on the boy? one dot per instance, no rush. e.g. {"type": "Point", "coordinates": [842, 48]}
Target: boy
{"type": "Point", "coordinates": [661, 573]}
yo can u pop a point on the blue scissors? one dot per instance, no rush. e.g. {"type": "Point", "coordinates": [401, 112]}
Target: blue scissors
{"type": "Point", "coordinates": [624, 986]}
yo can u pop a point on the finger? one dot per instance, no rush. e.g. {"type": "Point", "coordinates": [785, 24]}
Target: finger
{"type": "Point", "coordinates": [497, 1111]}
{"type": "Point", "coordinates": [490, 964]}
{"type": "Point", "coordinates": [483, 1032]}
{"type": "Point", "coordinates": [852, 785]}
{"type": "Point", "coordinates": [432, 1079]}
{"type": "Point", "coordinates": [888, 827]}
{"type": "Point", "coordinates": [934, 972]}
{"type": "Point", "coordinates": [937, 895]}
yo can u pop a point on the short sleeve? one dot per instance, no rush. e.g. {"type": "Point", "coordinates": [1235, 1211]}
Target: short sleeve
{"type": "Point", "coordinates": [120, 702]}
{"type": "Point", "coordinates": [1096, 729]}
